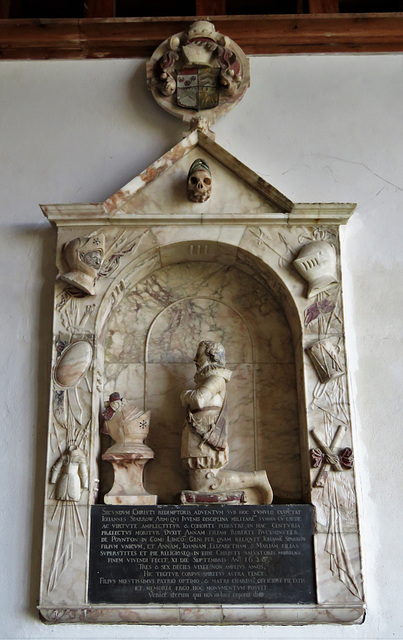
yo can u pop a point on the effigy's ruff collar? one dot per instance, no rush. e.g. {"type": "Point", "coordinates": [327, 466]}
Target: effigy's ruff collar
{"type": "Point", "coordinates": [212, 370]}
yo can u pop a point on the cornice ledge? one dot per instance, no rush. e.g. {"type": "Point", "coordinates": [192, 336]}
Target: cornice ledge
{"type": "Point", "coordinates": [321, 213]}
{"type": "Point", "coordinates": [62, 215]}
{"type": "Point", "coordinates": [82, 215]}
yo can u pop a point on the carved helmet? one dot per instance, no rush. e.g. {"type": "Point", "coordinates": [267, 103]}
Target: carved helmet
{"type": "Point", "coordinates": [84, 258]}
{"type": "Point", "coordinates": [316, 263]}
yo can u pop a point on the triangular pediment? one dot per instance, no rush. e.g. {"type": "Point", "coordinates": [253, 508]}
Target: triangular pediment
{"type": "Point", "coordinates": [236, 189]}
{"type": "Point", "coordinates": [158, 195]}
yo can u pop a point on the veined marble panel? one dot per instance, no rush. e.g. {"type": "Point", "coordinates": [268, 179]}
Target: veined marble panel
{"type": "Point", "coordinates": [178, 330]}
{"type": "Point", "coordinates": [278, 429]}
{"type": "Point", "coordinates": [129, 377]}
{"type": "Point", "coordinates": [126, 335]}
{"type": "Point", "coordinates": [241, 411]}
{"type": "Point", "coordinates": [125, 340]}
{"type": "Point", "coordinates": [338, 493]}
{"type": "Point", "coordinates": [164, 475]}
{"type": "Point", "coordinates": [338, 568]}
{"type": "Point", "coordinates": [65, 559]}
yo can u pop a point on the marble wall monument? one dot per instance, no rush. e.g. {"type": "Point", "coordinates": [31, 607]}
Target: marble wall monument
{"type": "Point", "coordinates": [228, 496]}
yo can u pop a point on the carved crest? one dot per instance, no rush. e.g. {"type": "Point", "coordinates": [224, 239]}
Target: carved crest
{"type": "Point", "coordinates": [199, 70]}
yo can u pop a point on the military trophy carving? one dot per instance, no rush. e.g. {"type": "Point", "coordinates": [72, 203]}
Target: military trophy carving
{"type": "Point", "coordinates": [84, 258]}
{"type": "Point", "coordinates": [316, 263]}
{"type": "Point", "coordinates": [205, 447]}
{"type": "Point", "coordinates": [70, 474]}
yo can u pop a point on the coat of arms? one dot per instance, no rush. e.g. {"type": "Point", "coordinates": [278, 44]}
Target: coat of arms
{"type": "Point", "coordinates": [198, 88]}
{"type": "Point", "coordinates": [199, 70]}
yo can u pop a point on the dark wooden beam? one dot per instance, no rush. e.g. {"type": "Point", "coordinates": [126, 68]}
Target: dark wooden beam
{"type": "Point", "coordinates": [5, 6]}
{"type": "Point", "coordinates": [138, 37]}
{"type": "Point", "coordinates": [39, 39]}
{"type": "Point", "coordinates": [211, 7]}
{"type": "Point", "coordinates": [323, 6]}
{"type": "Point", "coordinates": [99, 8]}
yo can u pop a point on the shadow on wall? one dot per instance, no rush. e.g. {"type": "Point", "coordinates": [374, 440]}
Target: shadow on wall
{"type": "Point", "coordinates": [163, 130]}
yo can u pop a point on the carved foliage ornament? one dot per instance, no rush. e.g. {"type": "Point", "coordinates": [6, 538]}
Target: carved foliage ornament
{"type": "Point", "coordinates": [199, 70]}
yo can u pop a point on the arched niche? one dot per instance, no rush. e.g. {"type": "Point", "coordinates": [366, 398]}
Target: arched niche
{"type": "Point", "coordinates": [150, 339]}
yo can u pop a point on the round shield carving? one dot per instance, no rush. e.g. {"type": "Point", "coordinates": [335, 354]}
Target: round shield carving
{"type": "Point", "coordinates": [73, 364]}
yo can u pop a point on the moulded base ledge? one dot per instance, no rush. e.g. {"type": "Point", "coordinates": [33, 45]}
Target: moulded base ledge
{"type": "Point", "coordinates": [206, 614]}
{"type": "Point", "coordinates": [122, 499]}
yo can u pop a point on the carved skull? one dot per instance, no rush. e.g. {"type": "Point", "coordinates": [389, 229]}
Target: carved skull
{"type": "Point", "coordinates": [199, 181]}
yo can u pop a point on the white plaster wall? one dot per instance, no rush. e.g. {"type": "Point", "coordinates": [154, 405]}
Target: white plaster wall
{"type": "Point", "coordinates": [318, 128]}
